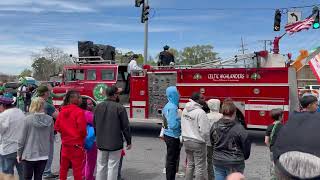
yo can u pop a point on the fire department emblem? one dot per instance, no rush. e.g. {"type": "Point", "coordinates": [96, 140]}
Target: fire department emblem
{"type": "Point", "coordinates": [99, 92]}
{"type": "Point", "coordinates": [255, 76]}
{"type": "Point", "coordinates": [197, 76]}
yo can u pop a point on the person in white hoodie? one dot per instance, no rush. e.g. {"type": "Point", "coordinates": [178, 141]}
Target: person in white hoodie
{"type": "Point", "coordinates": [195, 133]}
{"type": "Point", "coordinates": [213, 116]}
{"type": "Point", "coordinates": [11, 123]}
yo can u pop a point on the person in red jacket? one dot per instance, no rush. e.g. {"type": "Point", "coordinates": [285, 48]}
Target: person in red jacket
{"type": "Point", "coordinates": [71, 124]}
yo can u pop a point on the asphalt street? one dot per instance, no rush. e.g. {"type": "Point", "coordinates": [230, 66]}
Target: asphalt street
{"type": "Point", "coordinates": [145, 161]}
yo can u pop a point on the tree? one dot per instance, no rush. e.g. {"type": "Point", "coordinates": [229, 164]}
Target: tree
{"type": "Point", "coordinates": [197, 54]}
{"type": "Point", "coordinates": [26, 73]}
{"type": "Point", "coordinates": [124, 58]}
{"type": "Point", "coordinates": [43, 68]}
{"type": "Point", "coordinates": [49, 62]}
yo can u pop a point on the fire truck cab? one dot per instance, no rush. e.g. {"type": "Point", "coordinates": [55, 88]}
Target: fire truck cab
{"type": "Point", "coordinates": [254, 82]}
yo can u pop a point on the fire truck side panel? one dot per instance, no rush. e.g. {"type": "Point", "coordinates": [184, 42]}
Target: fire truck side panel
{"type": "Point", "coordinates": [139, 97]}
{"type": "Point", "coordinates": [252, 90]}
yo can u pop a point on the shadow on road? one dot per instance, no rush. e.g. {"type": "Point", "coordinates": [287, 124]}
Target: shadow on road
{"type": "Point", "coordinates": [153, 130]}
{"type": "Point", "coordinates": [145, 130]}
{"type": "Point", "coordinates": [257, 137]}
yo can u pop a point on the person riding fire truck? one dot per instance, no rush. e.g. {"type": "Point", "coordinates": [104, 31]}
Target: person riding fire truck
{"type": "Point", "coordinates": [256, 82]}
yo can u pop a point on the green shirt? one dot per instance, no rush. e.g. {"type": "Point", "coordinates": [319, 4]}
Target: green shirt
{"type": "Point", "coordinates": [53, 95]}
{"type": "Point", "coordinates": [2, 89]}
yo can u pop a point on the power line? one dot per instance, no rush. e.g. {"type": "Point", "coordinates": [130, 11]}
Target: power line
{"type": "Point", "coordinates": [242, 46]}
{"type": "Point", "coordinates": [235, 8]}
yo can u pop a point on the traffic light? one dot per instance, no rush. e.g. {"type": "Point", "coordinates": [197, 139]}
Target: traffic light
{"type": "Point", "coordinates": [277, 20]}
{"type": "Point", "coordinates": [139, 2]}
{"type": "Point", "coordinates": [315, 12]}
{"type": "Point", "coordinates": [145, 13]}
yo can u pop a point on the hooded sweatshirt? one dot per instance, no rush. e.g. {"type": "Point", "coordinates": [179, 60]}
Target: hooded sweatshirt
{"type": "Point", "coordinates": [37, 134]}
{"type": "Point", "coordinates": [194, 123]}
{"type": "Point", "coordinates": [170, 113]}
{"type": "Point", "coordinates": [231, 145]}
{"type": "Point", "coordinates": [214, 115]}
{"type": "Point", "coordinates": [11, 122]}
{"type": "Point", "coordinates": [296, 150]}
{"type": "Point", "coordinates": [72, 125]}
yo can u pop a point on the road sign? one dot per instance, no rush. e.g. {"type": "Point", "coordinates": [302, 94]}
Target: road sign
{"type": "Point", "coordinates": [294, 16]}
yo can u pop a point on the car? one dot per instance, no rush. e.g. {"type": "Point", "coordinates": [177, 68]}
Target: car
{"type": "Point", "coordinates": [317, 87]}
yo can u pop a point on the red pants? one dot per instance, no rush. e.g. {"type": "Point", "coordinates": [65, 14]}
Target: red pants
{"type": "Point", "coordinates": [74, 156]}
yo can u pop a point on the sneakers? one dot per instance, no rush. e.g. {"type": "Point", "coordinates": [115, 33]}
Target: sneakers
{"type": "Point", "coordinates": [50, 176]}
{"type": "Point", "coordinates": [180, 174]}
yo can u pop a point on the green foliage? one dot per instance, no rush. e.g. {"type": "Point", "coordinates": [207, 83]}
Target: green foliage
{"type": "Point", "coordinates": [197, 54]}
{"type": "Point", "coordinates": [193, 55]}
{"type": "Point", "coordinates": [49, 62]}
{"type": "Point", "coordinates": [124, 58]}
{"type": "Point", "coordinates": [25, 73]}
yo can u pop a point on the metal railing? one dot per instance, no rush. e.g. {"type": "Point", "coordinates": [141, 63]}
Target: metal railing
{"type": "Point", "coordinates": [93, 60]}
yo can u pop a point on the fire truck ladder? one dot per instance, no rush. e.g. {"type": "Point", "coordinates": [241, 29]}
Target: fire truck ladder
{"type": "Point", "coordinates": [235, 61]}
{"type": "Point", "coordinates": [93, 60]}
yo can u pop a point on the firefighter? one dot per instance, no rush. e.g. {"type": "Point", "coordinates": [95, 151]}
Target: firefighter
{"type": "Point", "coordinates": [132, 66]}
{"type": "Point", "coordinates": [166, 58]}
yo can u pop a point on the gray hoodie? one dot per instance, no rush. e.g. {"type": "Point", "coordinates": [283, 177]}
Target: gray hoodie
{"type": "Point", "coordinates": [194, 123]}
{"type": "Point", "coordinates": [37, 133]}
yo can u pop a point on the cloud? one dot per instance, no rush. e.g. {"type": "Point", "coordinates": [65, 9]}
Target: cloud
{"type": "Point", "coordinates": [138, 28]}
{"type": "Point", "coordinates": [38, 6]}
{"type": "Point", "coordinates": [204, 17]}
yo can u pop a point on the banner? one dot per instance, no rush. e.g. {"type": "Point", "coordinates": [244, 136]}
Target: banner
{"type": "Point", "coordinates": [315, 66]}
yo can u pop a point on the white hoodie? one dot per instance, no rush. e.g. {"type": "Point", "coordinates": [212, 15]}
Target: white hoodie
{"type": "Point", "coordinates": [194, 123]}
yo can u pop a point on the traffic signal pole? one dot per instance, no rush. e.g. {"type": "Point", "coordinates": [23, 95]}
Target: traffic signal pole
{"type": "Point", "coordinates": [145, 59]}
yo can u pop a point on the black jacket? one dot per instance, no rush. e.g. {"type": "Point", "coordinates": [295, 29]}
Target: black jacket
{"type": "Point", "coordinates": [111, 124]}
{"type": "Point", "coordinates": [231, 145]}
{"type": "Point", "coordinates": [299, 134]}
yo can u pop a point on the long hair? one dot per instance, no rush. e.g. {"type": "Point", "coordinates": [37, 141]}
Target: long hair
{"type": "Point", "coordinates": [70, 94]}
{"type": "Point", "coordinates": [37, 104]}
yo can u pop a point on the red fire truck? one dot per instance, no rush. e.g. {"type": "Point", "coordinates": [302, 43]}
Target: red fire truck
{"type": "Point", "coordinates": [256, 83]}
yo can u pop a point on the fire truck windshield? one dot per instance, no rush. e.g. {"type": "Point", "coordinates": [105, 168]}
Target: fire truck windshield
{"type": "Point", "coordinates": [75, 74]}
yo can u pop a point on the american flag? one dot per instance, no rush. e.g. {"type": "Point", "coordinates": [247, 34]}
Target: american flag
{"type": "Point", "coordinates": [300, 25]}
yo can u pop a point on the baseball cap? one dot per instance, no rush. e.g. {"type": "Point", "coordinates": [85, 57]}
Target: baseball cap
{"type": "Point", "coordinates": [166, 47]}
{"type": "Point", "coordinates": [112, 90]}
{"type": "Point", "coordinates": [42, 89]}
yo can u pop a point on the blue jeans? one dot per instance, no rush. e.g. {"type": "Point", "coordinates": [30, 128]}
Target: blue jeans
{"type": "Point", "coordinates": [47, 170]}
{"type": "Point", "coordinates": [221, 172]}
{"type": "Point", "coordinates": [8, 163]}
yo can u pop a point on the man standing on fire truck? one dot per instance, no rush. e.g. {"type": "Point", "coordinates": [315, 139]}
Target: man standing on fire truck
{"type": "Point", "coordinates": [132, 66]}
{"type": "Point", "coordinates": [166, 58]}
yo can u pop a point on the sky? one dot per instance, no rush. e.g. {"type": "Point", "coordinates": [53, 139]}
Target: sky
{"type": "Point", "coordinates": [27, 26]}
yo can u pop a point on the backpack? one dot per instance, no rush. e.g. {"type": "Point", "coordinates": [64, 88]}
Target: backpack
{"type": "Point", "coordinates": [274, 130]}
{"type": "Point", "coordinates": [90, 138]}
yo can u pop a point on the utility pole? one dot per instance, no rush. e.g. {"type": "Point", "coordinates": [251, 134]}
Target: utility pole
{"type": "Point", "coordinates": [242, 46]}
{"type": "Point", "coordinates": [145, 59]}
{"type": "Point", "coordinates": [265, 42]}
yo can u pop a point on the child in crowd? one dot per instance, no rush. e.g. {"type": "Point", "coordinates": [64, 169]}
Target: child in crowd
{"type": "Point", "coordinates": [91, 150]}
{"type": "Point", "coordinates": [272, 133]}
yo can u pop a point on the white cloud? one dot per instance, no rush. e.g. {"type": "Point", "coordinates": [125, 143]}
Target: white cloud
{"type": "Point", "coordinates": [138, 28]}
{"type": "Point", "coordinates": [203, 17]}
{"type": "Point", "coordinates": [37, 6]}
